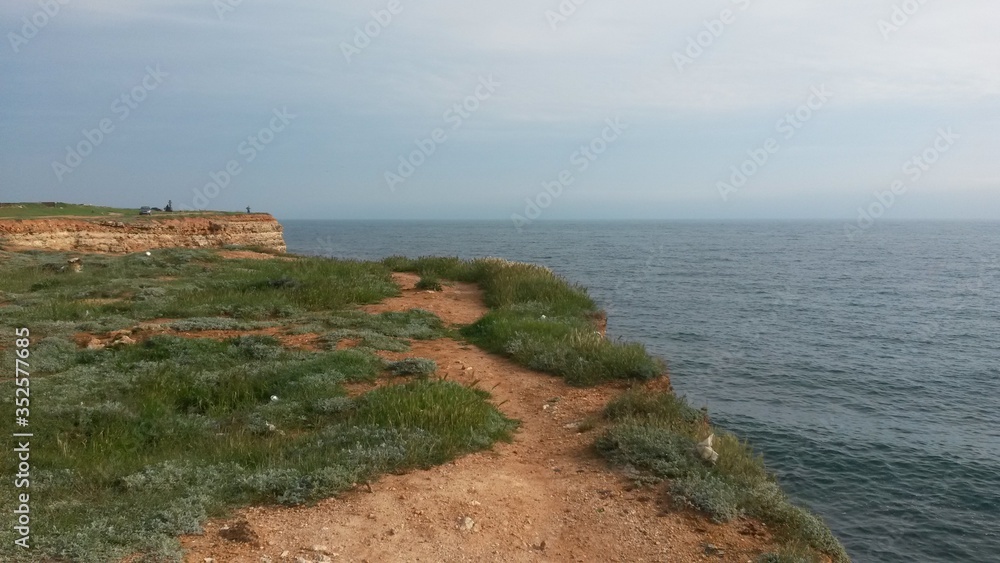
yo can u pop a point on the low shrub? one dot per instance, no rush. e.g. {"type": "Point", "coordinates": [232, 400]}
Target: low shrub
{"type": "Point", "coordinates": [429, 282]}
{"type": "Point", "coordinates": [421, 367]}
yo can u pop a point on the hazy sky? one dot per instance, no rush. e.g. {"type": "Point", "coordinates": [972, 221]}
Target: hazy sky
{"type": "Point", "coordinates": [449, 109]}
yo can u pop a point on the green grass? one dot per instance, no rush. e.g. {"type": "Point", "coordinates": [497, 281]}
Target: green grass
{"type": "Point", "coordinates": [421, 367]}
{"type": "Point", "coordinates": [653, 436]}
{"type": "Point", "coordinates": [144, 442]}
{"type": "Point", "coordinates": [33, 210]}
{"type": "Point", "coordinates": [429, 282]}
{"type": "Point", "coordinates": [27, 210]}
{"type": "Point", "coordinates": [539, 320]}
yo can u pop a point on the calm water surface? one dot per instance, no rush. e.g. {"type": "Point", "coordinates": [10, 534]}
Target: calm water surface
{"type": "Point", "coordinates": [865, 371]}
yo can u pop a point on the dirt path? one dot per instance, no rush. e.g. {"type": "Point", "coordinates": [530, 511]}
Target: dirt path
{"type": "Point", "coordinates": [544, 497]}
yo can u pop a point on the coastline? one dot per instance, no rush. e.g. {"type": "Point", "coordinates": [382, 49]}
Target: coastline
{"type": "Point", "coordinates": [586, 420]}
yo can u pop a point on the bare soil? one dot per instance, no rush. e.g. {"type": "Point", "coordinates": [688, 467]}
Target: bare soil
{"type": "Point", "coordinates": [546, 496]}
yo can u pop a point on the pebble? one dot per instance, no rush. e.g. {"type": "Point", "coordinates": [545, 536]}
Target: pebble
{"type": "Point", "coordinates": [467, 524]}
{"type": "Point", "coordinates": [320, 549]}
{"type": "Point", "coordinates": [712, 549]}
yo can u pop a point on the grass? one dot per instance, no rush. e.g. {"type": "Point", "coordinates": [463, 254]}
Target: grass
{"type": "Point", "coordinates": [421, 367]}
{"type": "Point", "coordinates": [27, 210]}
{"type": "Point", "coordinates": [539, 320]}
{"type": "Point", "coordinates": [429, 282]}
{"type": "Point", "coordinates": [653, 436]}
{"type": "Point", "coordinates": [33, 210]}
{"type": "Point", "coordinates": [145, 442]}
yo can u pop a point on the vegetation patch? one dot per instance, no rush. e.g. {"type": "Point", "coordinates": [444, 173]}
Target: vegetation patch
{"type": "Point", "coordinates": [539, 320]}
{"type": "Point", "coordinates": [654, 436]}
{"type": "Point", "coordinates": [146, 441]}
{"type": "Point", "coordinates": [429, 282]}
{"type": "Point", "coordinates": [421, 367]}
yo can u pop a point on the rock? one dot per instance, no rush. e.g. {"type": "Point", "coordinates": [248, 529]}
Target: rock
{"type": "Point", "coordinates": [301, 559]}
{"type": "Point", "coordinates": [466, 524]}
{"type": "Point", "coordinates": [123, 341]}
{"type": "Point", "coordinates": [265, 559]}
{"type": "Point", "coordinates": [209, 560]}
{"type": "Point", "coordinates": [284, 554]}
{"type": "Point", "coordinates": [712, 549]}
{"type": "Point", "coordinates": [83, 235]}
{"type": "Point", "coordinates": [705, 451]}
{"type": "Point", "coordinates": [320, 549]}
{"type": "Point", "coordinates": [239, 531]}
{"type": "Point", "coordinates": [95, 344]}
{"type": "Point", "coordinates": [572, 426]}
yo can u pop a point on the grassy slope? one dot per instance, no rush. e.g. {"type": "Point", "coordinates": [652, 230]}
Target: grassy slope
{"type": "Point", "coordinates": [543, 322]}
{"type": "Point", "coordinates": [142, 443]}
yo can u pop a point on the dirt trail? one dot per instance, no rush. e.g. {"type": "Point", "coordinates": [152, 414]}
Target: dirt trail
{"type": "Point", "coordinates": [544, 497]}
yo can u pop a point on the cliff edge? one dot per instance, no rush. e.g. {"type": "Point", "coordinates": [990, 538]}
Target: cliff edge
{"type": "Point", "coordinates": [116, 236]}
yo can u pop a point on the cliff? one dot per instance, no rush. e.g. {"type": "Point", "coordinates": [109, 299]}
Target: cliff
{"type": "Point", "coordinates": [112, 235]}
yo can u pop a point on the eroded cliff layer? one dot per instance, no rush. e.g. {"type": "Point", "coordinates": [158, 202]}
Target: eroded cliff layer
{"type": "Point", "coordinates": [116, 236]}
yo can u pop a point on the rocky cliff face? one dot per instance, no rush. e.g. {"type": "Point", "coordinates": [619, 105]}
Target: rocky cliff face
{"type": "Point", "coordinates": [114, 236]}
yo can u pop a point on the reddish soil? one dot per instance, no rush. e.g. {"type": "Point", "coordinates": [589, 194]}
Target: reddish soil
{"type": "Point", "coordinates": [142, 331]}
{"type": "Point", "coordinates": [545, 497]}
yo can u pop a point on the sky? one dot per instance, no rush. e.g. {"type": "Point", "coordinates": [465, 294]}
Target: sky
{"type": "Point", "coordinates": [520, 110]}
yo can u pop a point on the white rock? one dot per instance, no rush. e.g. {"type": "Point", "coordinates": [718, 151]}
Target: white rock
{"type": "Point", "coordinates": [705, 450]}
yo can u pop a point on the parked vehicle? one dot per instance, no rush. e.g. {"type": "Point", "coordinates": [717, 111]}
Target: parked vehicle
{"type": "Point", "coordinates": [145, 210]}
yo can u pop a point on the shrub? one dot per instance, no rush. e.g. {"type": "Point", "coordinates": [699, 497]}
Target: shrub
{"type": "Point", "coordinates": [662, 454]}
{"type": "Point", "coordinates": [51, 355]}
{"type": "Point", "coordinates": [715, 497]}
{"type": "Point", "coordinates": [421, 367]}
{"type": "Point", "coordinates": [429, 282]}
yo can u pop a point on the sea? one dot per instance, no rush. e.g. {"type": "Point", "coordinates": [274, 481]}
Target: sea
{"type": "Point", "coordinates": [863, 365]}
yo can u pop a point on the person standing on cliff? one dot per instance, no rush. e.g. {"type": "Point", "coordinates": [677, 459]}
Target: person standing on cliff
{"type": "Point", "coordinates": [248, 209]}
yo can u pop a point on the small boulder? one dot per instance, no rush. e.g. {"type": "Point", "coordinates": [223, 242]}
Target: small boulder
{"type": "Point", "coordinates": [705, 451]}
